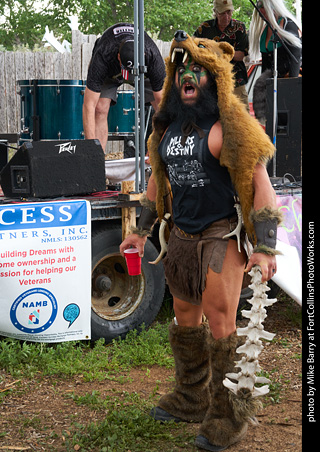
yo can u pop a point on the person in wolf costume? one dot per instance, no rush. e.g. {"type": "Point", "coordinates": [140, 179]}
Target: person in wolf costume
{"type": "Point", "coordinates": [206, 151]}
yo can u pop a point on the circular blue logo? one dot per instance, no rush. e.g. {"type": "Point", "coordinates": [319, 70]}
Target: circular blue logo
{"type": "Point", "coordinates": [34, 311]}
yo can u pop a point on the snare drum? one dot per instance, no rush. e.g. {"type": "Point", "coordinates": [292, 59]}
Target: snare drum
{"type": "Point", "coordinates": [121, 117]}
{"type": "Point", "coordinates": [58, 106]}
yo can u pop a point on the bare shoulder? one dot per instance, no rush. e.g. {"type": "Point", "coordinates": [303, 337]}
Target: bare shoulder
{"type": "Point", "coordinates": [215, 139]}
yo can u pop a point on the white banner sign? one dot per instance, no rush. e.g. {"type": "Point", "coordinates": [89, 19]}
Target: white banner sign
{"type": "Point", "coordinates": [45, 271]}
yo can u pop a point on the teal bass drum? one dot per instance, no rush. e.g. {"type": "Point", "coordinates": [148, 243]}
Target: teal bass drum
{"type": "Point", "coordinates": [121, 118]}
{"type": "Point", "coordinates": [52, 109]}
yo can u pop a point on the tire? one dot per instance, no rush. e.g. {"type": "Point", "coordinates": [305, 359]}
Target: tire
{"type": "Point", "coordinates": [119, 302]}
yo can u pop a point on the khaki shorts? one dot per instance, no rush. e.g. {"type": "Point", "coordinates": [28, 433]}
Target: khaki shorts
{"type": "Point", "coordinates": [110, 87]}
{"type": "Point", "coordinates": [188, 258]}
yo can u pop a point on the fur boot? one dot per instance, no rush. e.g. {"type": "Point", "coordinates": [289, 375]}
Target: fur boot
{"type": "Point", "coordinates": [190, 399]}
{"type": "Point", "coordinates": [227, 417]}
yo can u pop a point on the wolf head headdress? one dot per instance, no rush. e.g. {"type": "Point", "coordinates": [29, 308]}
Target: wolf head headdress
{"type": "Point", "coordinates": [244, 141]}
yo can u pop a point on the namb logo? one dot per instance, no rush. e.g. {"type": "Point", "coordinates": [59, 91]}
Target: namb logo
{"type": "Point", "coordinates": [34, 311]}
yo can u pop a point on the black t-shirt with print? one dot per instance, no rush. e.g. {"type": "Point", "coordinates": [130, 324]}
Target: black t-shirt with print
{"type": "Point", "coordinates": [105, 65]}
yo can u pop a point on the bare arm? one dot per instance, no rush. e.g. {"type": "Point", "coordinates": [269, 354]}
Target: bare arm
{"type": "Point", "coordinates": [264, 195]}
{"type": "Point", "coordinates": [157, 98]}
{"type": "Point", "coordinates": [238, 55]}
{"type": "Point", "coordinates": [215, 139]}
{"type": "Point", "coordinates": [151, 189]}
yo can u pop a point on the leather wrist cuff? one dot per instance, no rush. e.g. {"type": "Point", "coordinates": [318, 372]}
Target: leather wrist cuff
{"type": "Point", "coordinates": [265, 222]}
{"type": "Point", "coordinates": [266, 232]}
{"type": "Point", "coordinates": [147, 217]}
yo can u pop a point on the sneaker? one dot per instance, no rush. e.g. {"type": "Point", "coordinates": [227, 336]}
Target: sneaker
{"type": "Point", "coordinates": [203, 443]}
{"type": "Point", "coordinates": [163, 416]}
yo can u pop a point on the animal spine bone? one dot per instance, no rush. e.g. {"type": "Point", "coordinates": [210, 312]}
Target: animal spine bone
{"type": "Point", "coordinates": [249, 365]}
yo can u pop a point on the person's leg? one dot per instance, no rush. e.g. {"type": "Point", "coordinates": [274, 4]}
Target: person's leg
{"type": "Point", "coordinates": [186, 313]}
{"type": "Point", "coordinates": [226, 419]}
{"type": "Point", "coordinates": [108, 97]}
{"type": "Point", "coordinates": [221, 296]}
{"type": "Point", "coordinates": [190, 398]}
{"type": "Point", "coordinates": [188, 336]}
{"type": "Point", "coordinates": [101, 119]}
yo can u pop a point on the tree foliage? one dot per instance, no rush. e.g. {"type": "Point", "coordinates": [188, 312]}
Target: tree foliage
{"type": "Point", "coordinates": [23, 22]}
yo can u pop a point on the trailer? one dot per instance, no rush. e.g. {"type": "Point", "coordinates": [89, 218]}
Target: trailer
{"type": "Point", "coordinates": [119, 302]}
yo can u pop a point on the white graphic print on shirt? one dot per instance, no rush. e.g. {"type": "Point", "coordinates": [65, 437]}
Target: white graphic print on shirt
{"type": "Point", "coordinates": [187, 171]}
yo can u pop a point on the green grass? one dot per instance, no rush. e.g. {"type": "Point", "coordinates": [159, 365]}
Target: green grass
{"type": "Point", "coordinates": [126, 425]}
{"type": "Point", "coordinates": [93, 361]}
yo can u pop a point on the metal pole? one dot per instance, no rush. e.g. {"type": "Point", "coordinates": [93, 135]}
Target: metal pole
{"type": "Point", "coordinates": [275, 112]}
{"type": "Point", "coordinates": [142, 71]}
{"type": "Point", "coordinates": [136, 90]}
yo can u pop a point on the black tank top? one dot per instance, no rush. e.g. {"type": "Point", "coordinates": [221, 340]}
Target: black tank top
{"type": "Point", "coordinates": [202, 189]}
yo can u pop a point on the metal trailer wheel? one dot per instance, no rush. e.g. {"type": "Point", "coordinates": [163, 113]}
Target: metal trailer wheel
{"type": "Point", "coordinates": [120, 302]}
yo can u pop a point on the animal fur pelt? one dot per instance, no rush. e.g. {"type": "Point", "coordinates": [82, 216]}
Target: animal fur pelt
{"type": "Point", "coordinates": [190, 399]}
{"type": "Point", "coordinates": [244, 142]}
{"type": "Point", "coordinates": [259, 99]}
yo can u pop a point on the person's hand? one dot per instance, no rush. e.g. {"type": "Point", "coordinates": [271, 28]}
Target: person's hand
{"type": "Point", "coordinates": [268, 265]}
{"type": "Point", "coordinates": [135, 241]}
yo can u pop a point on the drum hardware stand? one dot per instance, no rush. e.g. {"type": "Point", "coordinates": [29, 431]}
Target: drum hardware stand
{"type": "Point", "coordinates": [275, 40]}
{"type": "Point", "coordinates": [147, 123]}
{"type": "Point", "coordinates": [58, 87]}
{"type": "Point", "coordinates": [139, 71]}
{"type": "Point", "coordinates": [24, 129]}
{"type": "Point", "coordinates": [35, 117]}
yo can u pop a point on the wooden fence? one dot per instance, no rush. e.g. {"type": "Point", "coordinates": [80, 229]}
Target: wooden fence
{"type": "Point", "coordinates": [16, 66]}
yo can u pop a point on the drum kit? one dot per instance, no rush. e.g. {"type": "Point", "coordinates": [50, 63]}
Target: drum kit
{"type": "Point", "coordinates": [52, 110]}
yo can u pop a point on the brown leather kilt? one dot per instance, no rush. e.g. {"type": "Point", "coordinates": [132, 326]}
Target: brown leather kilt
{"type": "Point", "coordinates": [189, 256]}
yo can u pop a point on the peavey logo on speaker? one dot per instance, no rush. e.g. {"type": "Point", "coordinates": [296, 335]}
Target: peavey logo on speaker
{"type": "Point", "coordinates": [66, 147]}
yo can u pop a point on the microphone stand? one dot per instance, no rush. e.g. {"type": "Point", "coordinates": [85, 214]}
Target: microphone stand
{"type": "Point", "coordinates": [139, 71]}
{"type": "Point", "coordinates": [275, 40]}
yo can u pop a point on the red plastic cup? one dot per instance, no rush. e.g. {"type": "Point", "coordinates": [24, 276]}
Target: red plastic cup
{"type": "Point", "coordinates": [133, 261]}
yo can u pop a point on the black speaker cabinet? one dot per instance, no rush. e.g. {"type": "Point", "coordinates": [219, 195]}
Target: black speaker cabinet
{"type": "Point", "coordinates": [46, 169]}
{"type": "Point", "coordinates": [289, 125]}
{"type": "Point", "coordinates": [3, 153]}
